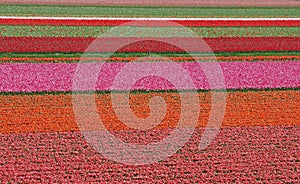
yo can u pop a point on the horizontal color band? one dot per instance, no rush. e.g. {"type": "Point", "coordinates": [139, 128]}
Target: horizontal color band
{"type": "Point", "coordinates": [31, 77]}
{"type": "Point", "coordinates": [161, 2]}
{"type": "Point", "coordinates": [190, 22]}
{"type": "Point", "coordinates": [128, 59]}
{"type": "Point", "coordinates": [132, 44]}
{"type": "Point", "coordinates": [239, 154]}
{"type": "Point", "coordinates": [48, 112]}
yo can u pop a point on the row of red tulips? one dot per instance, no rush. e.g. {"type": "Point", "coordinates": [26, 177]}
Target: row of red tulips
{"type": "Point", "coordinates": [262, 154]}
{"type": "Point", "coordinates": [112, 44]}
{"type": "Point", "coordinates": [116, 22]}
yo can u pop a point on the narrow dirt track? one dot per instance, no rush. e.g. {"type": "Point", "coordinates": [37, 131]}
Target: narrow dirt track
{"type": "Point", "coordinates": [162, 2]}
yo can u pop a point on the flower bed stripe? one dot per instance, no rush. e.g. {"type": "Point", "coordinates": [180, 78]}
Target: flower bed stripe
{"type": "Point", "coordinates": [72, 44]}
{"type": "Point", "coordinates": [132, 59]}
{"type": "Point", "coordinates": [54, 112]}
{"type": "Point", "coordinates": [190, 22]}
{"type": "Point", "coordinates": [240, 154]}
{"type": "Point", "coordinates": [31, 77]}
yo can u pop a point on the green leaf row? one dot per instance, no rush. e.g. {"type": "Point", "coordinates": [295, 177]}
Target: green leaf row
{"type": "Point", "coordinates": [128, 11]}
{"type": "Point", "coordinates": [92, 31]}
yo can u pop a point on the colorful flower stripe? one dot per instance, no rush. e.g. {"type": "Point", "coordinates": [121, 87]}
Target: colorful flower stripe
{"type": "Point", "coordinates": [54, 112]}
{"type": "Point", "coordinates": [94, 31]}
{"type": "Point", "coordinates": [73, 21]}
{"type": "Point", "coordinates": [238, 154]}
{"type": "Point", "coordinates": [132, 59]}
{"type": "Point", "coordinates": [72, 44]}
{"type": "Point", "coordinates": [37, 77]}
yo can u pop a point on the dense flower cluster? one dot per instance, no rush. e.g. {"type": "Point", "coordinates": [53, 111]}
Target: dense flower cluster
{"type": "Point", "coordinates": [74, 44]}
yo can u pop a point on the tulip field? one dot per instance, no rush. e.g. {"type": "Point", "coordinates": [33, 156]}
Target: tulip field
{"type": "Point", "coordinates": [249, 65]}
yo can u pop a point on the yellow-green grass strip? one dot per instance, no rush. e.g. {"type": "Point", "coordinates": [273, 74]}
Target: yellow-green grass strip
{"type": "Point", "coordinates": [131, 11]}
{"type": "Point", "coordinates": [94, 31]}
